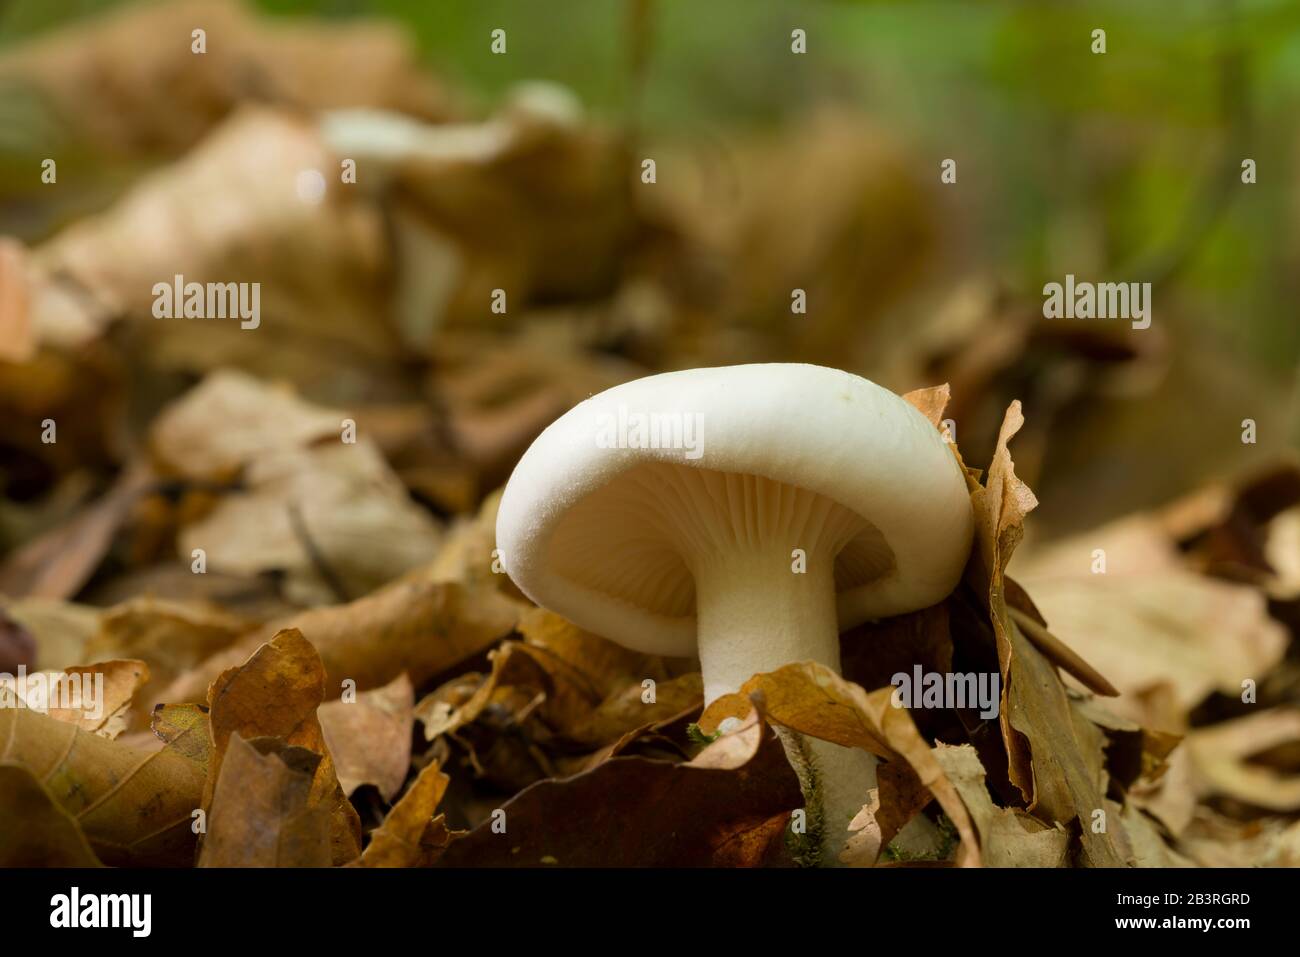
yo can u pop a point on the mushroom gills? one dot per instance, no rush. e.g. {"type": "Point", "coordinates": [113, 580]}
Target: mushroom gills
{"type": "Point", "coordinates": [646, 536]}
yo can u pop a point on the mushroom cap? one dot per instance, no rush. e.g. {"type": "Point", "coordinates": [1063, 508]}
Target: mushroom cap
{"type": "Point", "coordinates": [593, 531]}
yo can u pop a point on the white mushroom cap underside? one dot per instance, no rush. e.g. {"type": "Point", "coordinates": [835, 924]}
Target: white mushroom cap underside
{"type": "Point", "coordinates": [811, 428]}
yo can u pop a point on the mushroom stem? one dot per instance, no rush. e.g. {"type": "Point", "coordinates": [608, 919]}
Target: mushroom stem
{"type": "Point", "coordinates": [755, 614]}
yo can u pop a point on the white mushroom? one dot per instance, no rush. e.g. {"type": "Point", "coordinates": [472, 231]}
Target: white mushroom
{"type": "Point", "coordinates": [746, 514]}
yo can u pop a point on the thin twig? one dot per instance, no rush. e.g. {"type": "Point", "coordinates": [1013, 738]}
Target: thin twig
{"type": "Point", "coordinates": [1062, 655]}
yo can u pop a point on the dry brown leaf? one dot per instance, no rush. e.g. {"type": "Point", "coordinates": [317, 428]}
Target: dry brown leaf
{"type": "Point", "coordinates": [370, 738]}
{"type": "Point", "coordinates": [1008, 836]}
{"type": "Point", "coordinates": [135, 807]}
{"type": "Point", "coordinates": [334, 519]}
{"type": "Point", "coordinates": [625, 711]}
{"type": "Point", "coordinates": [410, 836]}
{"type": "Point", "coordinates": [930, 402]}
{"type": "Point", "coordinates": [1221, 756]}
{"type": "Point", "coordinates": [559, 674]}
{"type": "Point", "coordinates": [230, 211]}
{"type": "Point", "coordinates": [164, 97]}
{"type": "Point", "coordinates": [256, 419]}
{"type": "Point", "coordinates": [60, 562]}
{"type": "Point", "coordinates": [1142, 843]}
{"type": "Point", "coordinates": [561, 183]}
{"type": "Point", "coordinates": [1198, 635]}
{"type": "Point", "coordinates": [262, 812]}
{"type": "Point", "coordinates": [275, 693]}
{"type": "Point", "coordinates": [170, 636]}
{"type": "Point", "coordinates": [95, 698]}
{"type": "Point", "coordinates": [897, 798]}
{"type": "Point", "coordinates": [185, 730]}
{"type": "Point", "coordinates": [34, 830]}
{"type": "Point", "coordinates": [729, 807]}
{"type": "Point", "coordinates": [1054, 759]}
{"type": "Point", "coordinates": [1216, 841]}
{"type": "Point", "coordinates": [413, 626]}
{"type": "Point", "coordinates": [600, 665]}
{"type": "Point", "coordinates": [813, 700]}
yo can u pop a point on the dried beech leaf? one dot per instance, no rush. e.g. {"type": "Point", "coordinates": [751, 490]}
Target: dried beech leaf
{"type": "Point", "coordinates": [58, 563]}
{"type": "Point", "coordinates": [256, 419]}
{"type": "Point", "coordinates": [1221, 752]}
{"type": "Point", "coordinates": [1198, 635]}
{"type": "Point", "coordinates": [1008, 836]}
{"type": "Point", "coordinates": [930, 402]}
{"type": "Point", "coordinates": [370, 738]}
{"type": "Point", "coordinates": [262, 812]}
{"type": "Point", "coordinates": [1053, 759]}
{"type": "Point", "coordinates": [648, 813]}
{"type": "Point", "coordinates": [93, 697]}
{"type": "Point", "coordinates": [414, 626]}
{"type": "Point", "coordinates": [411, 625]}
{"type": "Point", "coordinates": [224, 212]}
{"type": "Point", "coordinates": [333, 518]}
{"type": "Point", "coordinates": [34, 830]}
{"type": "Point", "coordinates": [409, 836]}
{"type": "Point", "coordinates": [275, 693]}
{"type": "Point", "coordinates": [170, 636]}
{"type": "Point", "coordinates": [133, 806]}
{"type": "Point", "coordinates": [811, 699]}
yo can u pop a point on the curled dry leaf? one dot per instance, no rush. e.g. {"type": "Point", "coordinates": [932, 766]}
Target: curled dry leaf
{"type": "Point", "coordinates": [95, 698]}
{"type": "Point", "coordinates": [275, 693]}
{"type": "Point", "coordinates": [410, 835]}
{"type": "Point", "coordinates": [812, 700]}
{"type": "Point", "coordinates": [1009, 837]}
{"type": "Point", "coordinates": [581, 687]}
{"type": "Point", "coordinates": [931, 402]}
{"type": "Point", "coordinates": [1054, 758]}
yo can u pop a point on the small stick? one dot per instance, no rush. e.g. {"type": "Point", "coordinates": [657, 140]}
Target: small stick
{"type": "Point", "coordinates": [1062, 655]}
